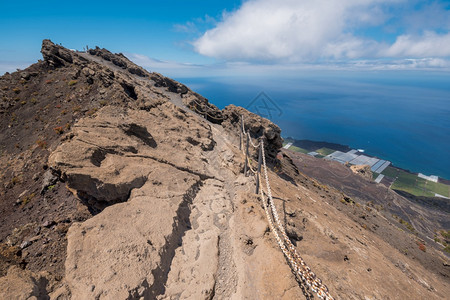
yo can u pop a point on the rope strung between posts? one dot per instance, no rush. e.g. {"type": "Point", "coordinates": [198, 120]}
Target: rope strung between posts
{"type": "Point", "coordinates": [251, 142]}
{"type": "Point", "coordinates": [280, 243]}
{"type": "Point", "coordinates": [297, 264]}
{"type": "Point", "coordinates": [247, 132]}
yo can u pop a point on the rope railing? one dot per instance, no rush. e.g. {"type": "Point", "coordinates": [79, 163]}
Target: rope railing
{"type": "Point", "coordinates": [297, 264]}
{"type": "Point", "coordinates": [251, 142]}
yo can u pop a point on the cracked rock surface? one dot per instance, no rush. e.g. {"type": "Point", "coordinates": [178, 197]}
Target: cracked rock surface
{"type": "Point", "coordinates": [154, 161]}
{"type": "Point", "coordinates": [120, 150]}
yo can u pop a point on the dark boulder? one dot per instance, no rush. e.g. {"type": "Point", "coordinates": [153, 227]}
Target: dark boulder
{"type": "Point", "coordinates": [55, 55]}
{"type": "Point", "coordinates": [119, 60]}
{"type": "Point", "coordinates": [172, 85]}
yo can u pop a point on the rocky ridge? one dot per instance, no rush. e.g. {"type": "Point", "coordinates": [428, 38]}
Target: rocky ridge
{"type": "Point", "coordinates": [144, 191]}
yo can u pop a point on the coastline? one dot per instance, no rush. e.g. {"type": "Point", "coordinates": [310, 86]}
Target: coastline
{"type": "Point", "coordinates": [384, 172]}
{"type": "Point", "coordinates": [399, 118]}
{"type": "Point", "coordinates": [309, 144]}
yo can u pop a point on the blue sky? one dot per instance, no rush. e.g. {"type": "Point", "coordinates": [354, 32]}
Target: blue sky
{"type": "Point", "coordinates": [194, 37]}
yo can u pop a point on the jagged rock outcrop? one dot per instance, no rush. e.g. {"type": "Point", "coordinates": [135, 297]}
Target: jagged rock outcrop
{"type": "Point", "coordinates": [255, 125]}
{"type": "Point", "coordinates": [172, 85]}
{"type": "Point", "coordinates": [155, 160]}
{"type": "Point", "coordinates": [55, 55]}
{"type": "Point", "coordinates": [121, 82]}
{"type": "Point", "coordinates": [362, 170]}
{"type": "Point", "coordinates": [202, 106]}
{"type": "Point", "coordinates": [119, 60]}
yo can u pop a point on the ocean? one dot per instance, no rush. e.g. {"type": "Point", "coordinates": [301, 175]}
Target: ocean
{"type": "Point", "coordinates": [400, 116]}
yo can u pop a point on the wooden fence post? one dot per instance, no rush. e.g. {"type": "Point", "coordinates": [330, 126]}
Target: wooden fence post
{"type": "Point", "coordinates": [246, 156]}
{"type": "Point", "coordinates": [259, 165]}
{"type": "Point", "coordinates": [240, 132]}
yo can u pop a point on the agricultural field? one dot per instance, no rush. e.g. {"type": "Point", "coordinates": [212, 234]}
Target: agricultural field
{"type": "Point", "coordinates": [411, 183]}
{"type": "Point", "coordinates": [390, 172]}
{"type": "Point", "coordinates": [298, 149]}
{"type": "Point", "coordinates": [325, 151]}
{"type": "Point", "coordinates": [402, 180]}
{"type": "Point", "coordinates": [322, 151]}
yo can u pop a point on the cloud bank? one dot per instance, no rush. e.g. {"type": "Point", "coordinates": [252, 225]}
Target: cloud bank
{"type": "Point", "coordinates": [231, 69]}
{"type": "Point", "coordinates": [296, 31]}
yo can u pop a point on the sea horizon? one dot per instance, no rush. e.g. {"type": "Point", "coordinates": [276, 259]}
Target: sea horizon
{"type": "Point", "coordinates": [403, 117]}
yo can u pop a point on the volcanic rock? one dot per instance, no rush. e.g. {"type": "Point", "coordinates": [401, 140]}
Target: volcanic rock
{"type": "Point", "coordinates": [119, 60]}
{"type": "Point", "coordinates": [255, 125]}
{"type": "Point", "coordinates": [362, 170]}
{"type": "Point", "coordinates": [22, 284]}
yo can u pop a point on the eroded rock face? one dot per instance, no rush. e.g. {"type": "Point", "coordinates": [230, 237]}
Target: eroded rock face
{"type": "Point", "coordinates": [201, 105]}
{"type": "Point", "coordinates": [56, 55]}
{"type": "Point", "coordinates": [156, 162]}
{"type": "Point", "coordinates": [119, 60]}
{"type": "Point", "coordinates": [116, 151]}
{"type": "Point", "coordinates": [362, 170]}
{"type": "Point", "coordinates": [256, 125]}
{"type": "Point", "coordinates": [22, 284]}
{"type": "Point", "coordinates": [125, 252]}
{"type": "Point", "coordinates": [111, 78]}
{"type": "Point", "coordinates": [172, 85]}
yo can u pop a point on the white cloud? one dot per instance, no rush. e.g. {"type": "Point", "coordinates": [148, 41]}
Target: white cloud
{"type": "Point", "coordinates": [306, 31]}
{"type": "Point", "coordinates": [428, 44]}
{"type": "Point", "coordinates": [430, 64]}
{"type": "Point", "coordinates": [179, 70]}
{"type": "Point", "coordinates": [289, 30]}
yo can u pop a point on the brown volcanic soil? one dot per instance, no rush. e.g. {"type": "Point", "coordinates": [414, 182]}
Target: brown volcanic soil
{"type": "Point", "coordinates": [39, 107]}
{"type": "Point", "coordinates": [377, 208]}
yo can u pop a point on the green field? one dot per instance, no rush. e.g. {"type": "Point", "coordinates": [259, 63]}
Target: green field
{"type": "Point", "coordinates": [298, 149]}
{"type": "Point", "coordinates": [436, 187]}
{"type": "Point", "coordinates": [390, 172]}
{"type": "Point", "coordinates": [415, 185]}
{"type": "Point", "coordinates": [322, 151]}
{"type": "Point", "coordinates": [325, 151]}
{"type": "Point", "coordinates": [403, 180]}
{"type": "Point", "coordinates": [412, 184]}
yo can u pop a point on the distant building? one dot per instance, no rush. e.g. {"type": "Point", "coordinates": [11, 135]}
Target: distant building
{"type": "Point", "coordinates": [432, 178]}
